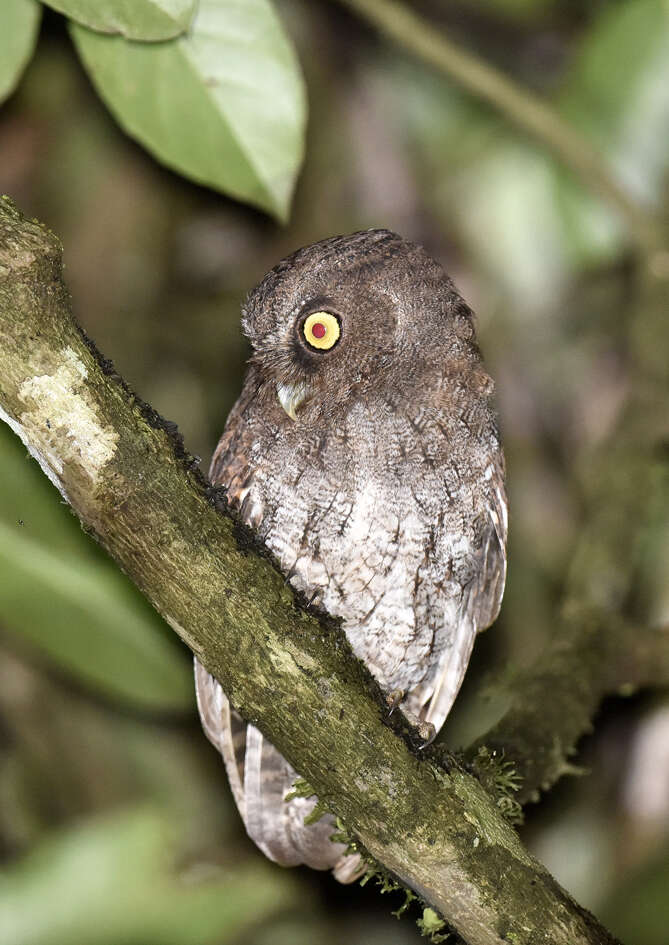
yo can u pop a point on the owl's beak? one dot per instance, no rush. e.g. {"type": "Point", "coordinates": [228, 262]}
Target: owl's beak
{"type": "Point", "coordinates": [291, 396]}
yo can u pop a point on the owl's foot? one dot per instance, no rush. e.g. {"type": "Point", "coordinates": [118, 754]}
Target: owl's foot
{"type": "Point", "coordinates": [427, 732]}
{"type": "Point", "coordinates": [393, 699]}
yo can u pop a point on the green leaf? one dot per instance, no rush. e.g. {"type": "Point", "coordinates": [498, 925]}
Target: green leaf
{"type": "Point", "coordinates": [79, 614]}
{"type": "Point", "coordinates": [65, 598]}
{"type": "Point", "coordinates": [113, 880]}
{"type": "Point", "coordinates": [19, 24]}
{"type": "Point", "coordinates": [223, 105]}
{"type": "Point", "coordinates": [149, 20]}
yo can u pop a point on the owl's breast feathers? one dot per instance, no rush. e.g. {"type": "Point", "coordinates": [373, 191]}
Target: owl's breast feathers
{"type": "Point", "coordinates": [393, 518]}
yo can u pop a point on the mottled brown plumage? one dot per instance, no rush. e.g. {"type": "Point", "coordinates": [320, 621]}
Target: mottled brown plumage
{"type": "Point", "coordinates": [381, 494]}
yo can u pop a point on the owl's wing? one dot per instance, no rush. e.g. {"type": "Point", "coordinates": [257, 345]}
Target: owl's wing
{"type": "Point", "coordinates": [483, 597]}
{"type": "Point", "coordinates": [259, 776]}
{"type": "Point", "coordinates": [480, 604]}
{"type": "Point", "coordinates": [230, 462]}
{"type": "Point", "coordinates": [224, 728]}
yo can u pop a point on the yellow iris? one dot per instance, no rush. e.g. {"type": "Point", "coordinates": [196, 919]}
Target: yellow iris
{"type": "Point", "coordinates": [321, 330]}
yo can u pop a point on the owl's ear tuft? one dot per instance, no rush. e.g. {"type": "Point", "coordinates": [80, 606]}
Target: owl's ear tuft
{"type": "Point", "coordinates": [463, 320]}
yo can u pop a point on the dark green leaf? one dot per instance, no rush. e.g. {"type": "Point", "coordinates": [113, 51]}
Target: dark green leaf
{"type": "Point", "coordinates": [223, 105]}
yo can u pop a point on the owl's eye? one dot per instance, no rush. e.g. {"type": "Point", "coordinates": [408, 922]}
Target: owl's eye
{"type": "Point", "coordinates": [321, 330]}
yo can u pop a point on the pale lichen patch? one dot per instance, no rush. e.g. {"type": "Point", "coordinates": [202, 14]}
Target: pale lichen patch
{"type": "Point", "coordinates": [284, 662]}
{"type": "Point", "coordinates": [303, 660]}
{"type": "Point", "coordinates": [61, 421]}
{"type": "Point", "coordinates": [13, 257]}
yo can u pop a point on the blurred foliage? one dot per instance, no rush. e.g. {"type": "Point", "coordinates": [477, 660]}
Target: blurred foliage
{"type": "Point", "coordinates": [20, 23]}
{"type": "Point", "coordinates": [75, 607]}
{"type": "Point", "coordinates": [120, 867]}
{"type": "Point", "coordinates": [116, 823]}
{"type": "Point", "coordinates": [633, 909]}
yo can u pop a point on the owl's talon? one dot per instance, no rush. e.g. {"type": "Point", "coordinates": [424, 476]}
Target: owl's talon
{"type": "Point", "coordinates": [427, 732]}
{"type": "Point", "coordinates": [393, 699]}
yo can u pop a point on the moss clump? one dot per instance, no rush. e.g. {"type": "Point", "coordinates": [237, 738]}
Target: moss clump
{"type": "Point", "coordinates": [431, 926]}
{"type": "Point", "coordinates": [501, 780]}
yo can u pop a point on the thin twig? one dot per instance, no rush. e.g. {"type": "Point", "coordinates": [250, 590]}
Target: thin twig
{"type": "Point", "coordinates": [525, 109]}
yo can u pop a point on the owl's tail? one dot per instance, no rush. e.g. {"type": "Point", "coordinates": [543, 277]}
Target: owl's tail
{"type": "Point", "coordinates": [260, 777]}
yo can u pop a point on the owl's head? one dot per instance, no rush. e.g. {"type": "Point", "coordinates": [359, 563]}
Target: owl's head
{"type": "Point", "coordinates": [352, 315]}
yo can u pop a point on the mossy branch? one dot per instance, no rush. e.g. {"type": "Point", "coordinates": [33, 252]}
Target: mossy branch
{"type": "Point", "coordinates": [554, 701]}
{"type": "Point", "coordinates": [128, 478]}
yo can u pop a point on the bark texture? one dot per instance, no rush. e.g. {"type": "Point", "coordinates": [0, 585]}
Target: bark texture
{"type": "Point", "coordinates": [290, 672]}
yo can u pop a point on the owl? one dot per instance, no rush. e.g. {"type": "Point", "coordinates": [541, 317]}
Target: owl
{"type": "Point", "coordinates": [364, 451]}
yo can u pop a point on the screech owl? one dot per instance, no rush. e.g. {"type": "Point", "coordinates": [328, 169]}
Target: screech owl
{"type": "Point", "coordinates": [364, 451]}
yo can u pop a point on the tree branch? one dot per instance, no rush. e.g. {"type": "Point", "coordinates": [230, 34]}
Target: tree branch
{"type": "Point", "coordinates": [127, 477]}
{"type": "Point", "coordinates": [525, 109]}
{"type": "Point", "coordinates": [554, 701]}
